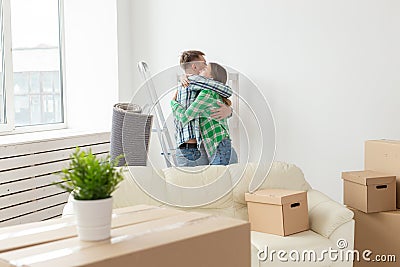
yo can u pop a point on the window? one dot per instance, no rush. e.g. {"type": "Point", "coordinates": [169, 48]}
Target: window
{"type": "Point", "coordinates": [32, 73]}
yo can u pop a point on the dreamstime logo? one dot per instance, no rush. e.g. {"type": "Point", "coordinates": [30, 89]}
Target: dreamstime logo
{"type": "Point", "coordinates": [334, 255]}
{"type": "Point", "coordinates": [342, 243]}
{"type": "Point", "coordinates": [252, 122]}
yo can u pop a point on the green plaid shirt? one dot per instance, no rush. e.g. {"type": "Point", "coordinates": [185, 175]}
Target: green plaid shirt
{"type": "Point", "coordinates": [212, 131]}
{"type": "Point", "coordinates": [186, 96]}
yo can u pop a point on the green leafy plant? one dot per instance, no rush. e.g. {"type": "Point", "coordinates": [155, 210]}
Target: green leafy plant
{"type": "Point", "coordinates": [89, 177]}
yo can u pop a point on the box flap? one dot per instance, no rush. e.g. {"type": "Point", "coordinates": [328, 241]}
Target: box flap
{"type": "Point", "coordinates": [142, 242]}
{"type": "Point", "coordinates": [395, 142]}
{"type": "Point", "coordinates": [25, 235]}
{"type": "Point", "coordinates": [275, 196]}
{"type": "Point", "coordinates": [368, 177]}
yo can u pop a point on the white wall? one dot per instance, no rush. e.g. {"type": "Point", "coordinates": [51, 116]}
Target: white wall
{"type": "Point", "coordinates": [91, 47]}
{"type": "Point", "coordinates": [125, 63]}
{"type": "Point", "coordinates": [330, 69]}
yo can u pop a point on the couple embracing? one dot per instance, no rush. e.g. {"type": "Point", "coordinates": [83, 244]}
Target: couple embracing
{"type": "Point", "coordinates": [201, 108]}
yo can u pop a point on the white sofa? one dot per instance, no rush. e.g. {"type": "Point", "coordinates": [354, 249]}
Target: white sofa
{"type": "Point", "coordinates": [329, 220]}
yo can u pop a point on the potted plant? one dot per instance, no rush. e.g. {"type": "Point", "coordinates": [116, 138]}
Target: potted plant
{"type": "Point", "coordinates": [91, 181]}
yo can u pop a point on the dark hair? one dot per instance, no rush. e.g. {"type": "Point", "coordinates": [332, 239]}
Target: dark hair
{"type": "Point", "coordinates": [189, 56]}
{"type": "Point", "coordinates": [218, 73]}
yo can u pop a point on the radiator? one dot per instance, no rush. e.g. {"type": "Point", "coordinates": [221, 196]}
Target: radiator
{"type": "Point", "coordinates": [27, 171]}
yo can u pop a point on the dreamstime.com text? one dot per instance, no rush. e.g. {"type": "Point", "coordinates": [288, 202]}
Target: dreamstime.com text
{"type": "Point", "coordinates": [333, 254]}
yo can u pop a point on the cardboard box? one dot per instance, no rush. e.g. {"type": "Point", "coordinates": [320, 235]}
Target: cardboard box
{"type": "Point", "coordinates": [369, 191]}
{"type": "Point", "coordinates": [384, 156]}
{"type": "Point", "coordinates": [187, 239]}
{"type": "Point", "coordinates": [25, 235]}
{"type": "Point", "coordinates": [377, 232]}
{"type": "Point", "coordinates": [278, 211]}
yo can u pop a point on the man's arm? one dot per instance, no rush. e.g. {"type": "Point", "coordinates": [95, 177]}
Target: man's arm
{"type": "Point", "coordinates": [200, 83]}
{"type": "Point", "coordinates": [203, 101]}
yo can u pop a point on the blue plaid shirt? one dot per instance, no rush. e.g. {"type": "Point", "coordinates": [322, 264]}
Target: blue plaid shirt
{"type": "Point", "coordinates": [186, 97]}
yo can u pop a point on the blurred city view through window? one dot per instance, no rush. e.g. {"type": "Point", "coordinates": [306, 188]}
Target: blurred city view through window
{"type": "Point", "coordinates": [35, 31]}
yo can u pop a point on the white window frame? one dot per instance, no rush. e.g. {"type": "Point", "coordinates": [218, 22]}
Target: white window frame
{"type": "Point", "coordinates": [7, 68]}
{"type": "Point", "coordinates": [9, 127]}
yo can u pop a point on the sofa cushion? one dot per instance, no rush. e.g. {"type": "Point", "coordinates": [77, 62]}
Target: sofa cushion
{"type": "Point", "coordinates": [204, 176]}
{"type": "Point", "coordinates": [326, 215]}
{"type": "Point", "coordinates": [281, 175]}
{"type": "Point", "coordinates": [129, 193]}
{"type": "Point", "coordinates": [194, 176]}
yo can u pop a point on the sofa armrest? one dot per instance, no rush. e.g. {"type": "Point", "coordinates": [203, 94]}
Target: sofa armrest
{"type": "Point", "coordinates": [344, 232]}
{"type": "Point", "coordinates": [326, 215]}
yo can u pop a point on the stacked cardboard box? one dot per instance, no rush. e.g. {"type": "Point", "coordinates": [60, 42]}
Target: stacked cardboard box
{"type": "Point", "coordinates": [373, 196]}
{"type": "Point", "coordinates": [377, 232]}
{"type": "Point", "coordinates": [384, 156]}
{"type": "Point", "coordinates": [141, 236]}
{"type": "Point", "coordinates": [369, 191]}
{"type": "Point", "coordinates": [278, 211]}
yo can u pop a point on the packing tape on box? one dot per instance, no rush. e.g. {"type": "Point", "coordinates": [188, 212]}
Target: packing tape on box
{"type": "Point", "coordinates": [48, 228]}
{"type": "Point", "coordinates": [36, 230]}
{"type": "Point", "coordinates": [119, 239]}
{"type": "Point", "coordinates": [58, 253]}
{"type": "Point", "coordinates": [116, 215]}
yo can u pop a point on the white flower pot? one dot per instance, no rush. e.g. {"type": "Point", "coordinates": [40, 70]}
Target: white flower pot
{"type": "Point", "coordinates": [93, 218]}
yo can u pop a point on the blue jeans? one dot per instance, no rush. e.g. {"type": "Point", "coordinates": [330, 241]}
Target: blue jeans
{"type": "Point", "coordinates": [191, 157]}
{"type": "Point", "coordinates": [224, 155]}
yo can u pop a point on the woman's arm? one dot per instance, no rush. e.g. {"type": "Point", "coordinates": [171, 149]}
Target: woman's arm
{"type": "Point", "coordinates": [204, 101]}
